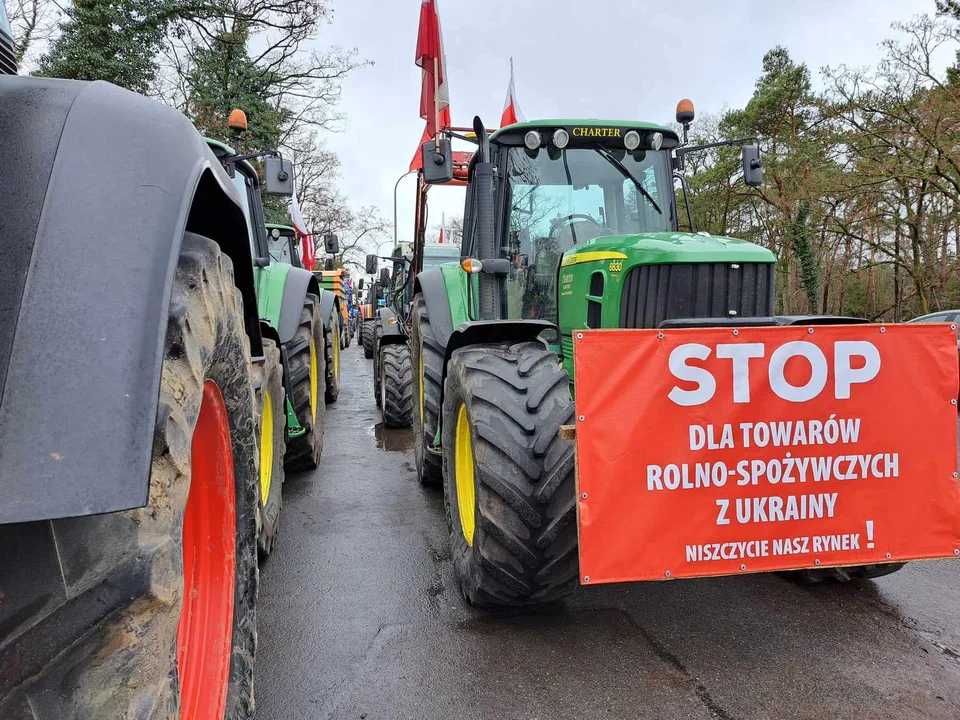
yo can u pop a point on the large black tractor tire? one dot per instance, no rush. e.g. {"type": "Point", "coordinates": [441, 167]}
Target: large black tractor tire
{"type": "Point", "coordinates": [366, 338]}
{"type": "Point", "coordinates": [306, 356]}
{"type": "Point", "coordinates": [427, 356]}
{"type": "Point", "coordinates": [396, 385]}
{"type": "Point", "coordinates": [271, 426]}
{"type": "Point", "coordinates": [332, 355]}
{"type": "Point", "coordinates": [851, 573]}
{"type": "Point", "coordinates": [376, 363]}
{"type": "Point", "coordinates": [100, 640]}
{"type": "Point", "coordinates": [508, 477]}
{"type": "Point", "coordinates": [347, 334]}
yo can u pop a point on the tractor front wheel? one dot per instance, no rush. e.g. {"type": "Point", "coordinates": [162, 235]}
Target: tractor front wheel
{"type": "Point", "coordinates": [366, 338]}
{"type": "Point", "coordinates": [428, 372]}
{"type": "Point", "coordinates": [396, 385]}
{"type": "Point", "coordinates": [508, 478]}
{"type": "Point", "coordinates": [332, 335]}
{"type": "Point", "coordinates": [306, 353]}
{"type": "Point", "coordinates": [268, 380]}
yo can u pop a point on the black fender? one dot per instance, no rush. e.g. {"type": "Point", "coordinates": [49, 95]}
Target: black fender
{"type": "Point", "coordinates": [299, 283]}
{"type": "Point", "coordinates": [430, 284]}
{"type": "Point", "coordinates": [483, 332]}
{"type": "Point", "coordinates": [391, 330]}
{"type": "Point", "coordinates": [97, 186]}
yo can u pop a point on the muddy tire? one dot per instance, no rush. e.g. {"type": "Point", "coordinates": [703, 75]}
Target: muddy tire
{"type": "Point", "coordinates": [306, 353]}
{"type": "Point", "coordinates": [852, 573]}
{"type": "Point", "coordinates": [396, 385]}
{"type": "Point", "coordinates": [427, 358]}
{"type": "Point", "coordinates": [332, 355]}
{"type": "Point", "coordinates": [271, 427]}
{"type": "Point", "coordinates": [508, 478]}
{"type": "Point", "coordinates": [366, 338]}
{"type": "Point", "coordinates": [376, 363]}
{"type": "Point", "coordinates": [102, 642]}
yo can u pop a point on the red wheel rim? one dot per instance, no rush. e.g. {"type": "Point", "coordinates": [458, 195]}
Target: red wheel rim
{"type": "Point", "coordinates": [205, 632]}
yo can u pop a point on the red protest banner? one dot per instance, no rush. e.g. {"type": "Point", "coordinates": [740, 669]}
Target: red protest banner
{"type": "Point", "coordinates": [718, 451]}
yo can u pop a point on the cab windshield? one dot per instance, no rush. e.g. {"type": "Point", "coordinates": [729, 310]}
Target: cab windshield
{"type": "Point", "coordinates": [560, 198]}
{"type": "Point", "coordinates": [4, 23]}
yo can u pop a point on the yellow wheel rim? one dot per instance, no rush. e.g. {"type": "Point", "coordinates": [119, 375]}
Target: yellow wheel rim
{"type": "Point", "coordinates": [314, 379]}
{"type": "Point", "coordinates": [466, 493]}
{"type": "Point", "coordinates": [266, 447]}
{"type": "Point", "coordinates": [336, 352]}
{"type": "Point", "coordinates": [421, 391]}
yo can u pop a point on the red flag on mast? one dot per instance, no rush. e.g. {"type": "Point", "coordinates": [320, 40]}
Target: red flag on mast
{"type": "Point", "coordinates": [434, 91]}
{"type": "Point", "coordinates": [511, 108]}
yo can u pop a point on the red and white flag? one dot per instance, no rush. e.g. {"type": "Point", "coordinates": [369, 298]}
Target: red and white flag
{"type": "Point", "coordinates": [443, 222]}
{"type": "Point", "coordinates": [511, 108]}
{"type": "Point", "coordinates": [296, 218]}
{"type": "Point", "coordinates": [434, 91]}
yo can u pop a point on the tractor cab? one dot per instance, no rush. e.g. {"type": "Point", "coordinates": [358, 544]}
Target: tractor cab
{"type": "Point", "coordinates": [282, 244]}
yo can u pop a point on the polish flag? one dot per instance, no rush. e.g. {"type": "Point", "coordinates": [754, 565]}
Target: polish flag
{"type": "Point", "coordinates": [511, 108]}
{"type": "Point", "coordinates": [293, 209]}
{"type": "Point", "coordinates": [434, 91]}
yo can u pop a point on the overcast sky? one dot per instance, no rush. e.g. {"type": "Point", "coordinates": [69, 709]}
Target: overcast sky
{"type": "Point", "coordinates": [613, 59]}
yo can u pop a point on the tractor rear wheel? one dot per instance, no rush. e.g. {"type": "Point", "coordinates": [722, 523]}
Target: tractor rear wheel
{"type": "Point", "coordinates": [396, 385]}
{"type": "Point", "coordinates": [427, 356]}
{"type": "Point", "coordinates": [305, 356]}
{"type": "Point", "coordinates": [332, 353]}
{"type": "Point", "coordinates": [271, 397]}
{"type": "Point", "coordinates": [151, 612]}
{"type": "Point", "coordinates": [508, 478]}
{"type": "Point", "coordinates": [366, 338]}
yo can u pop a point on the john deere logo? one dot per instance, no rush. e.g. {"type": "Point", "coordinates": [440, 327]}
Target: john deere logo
{"type": "Point", "coordinates": [595, 132]}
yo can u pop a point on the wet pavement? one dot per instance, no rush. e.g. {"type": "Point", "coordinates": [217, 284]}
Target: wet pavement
{"type": "Point", "coordinates": [360, 618]}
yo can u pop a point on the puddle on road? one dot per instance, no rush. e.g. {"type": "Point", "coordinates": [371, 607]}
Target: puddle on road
{"type": "Point", "coordinates": [393, 439]}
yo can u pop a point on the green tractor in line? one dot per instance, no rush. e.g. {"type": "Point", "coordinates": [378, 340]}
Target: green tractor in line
{"type": "Point", "coordinates": [568, 224]}
{"type": "Point", "coordinates": [389, 344]}
{"type": "Point", "coordinates": [282, 243]}
{"type": "Point", "coordinates": [298, 375]}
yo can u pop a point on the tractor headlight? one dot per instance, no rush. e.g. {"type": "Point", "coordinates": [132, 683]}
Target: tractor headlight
{"type": "Point", "coordinates": [656, 140]}
{"type": "Point", "coordinates": [561, 138]}
{"type": "Point", "coordinates": [532, 140]}
{"type": "Point", "coordinates": [631, 140]}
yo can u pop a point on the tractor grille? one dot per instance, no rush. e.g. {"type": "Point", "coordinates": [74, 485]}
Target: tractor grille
{"type": "Point", "coordinates": [654, 293]}
{"type": "Point", "coordinates": [8, 66]}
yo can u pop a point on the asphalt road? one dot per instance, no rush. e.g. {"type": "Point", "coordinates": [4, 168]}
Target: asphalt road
{"type": "Point", "coordinates": [360, 618]}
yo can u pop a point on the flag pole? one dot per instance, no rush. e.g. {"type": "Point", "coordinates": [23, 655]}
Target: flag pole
{"type": "Point", "coordinates": [436, 95]}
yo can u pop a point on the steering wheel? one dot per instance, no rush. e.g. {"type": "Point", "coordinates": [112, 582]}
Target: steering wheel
{"type": "Point", "coordinates": [559, 223]}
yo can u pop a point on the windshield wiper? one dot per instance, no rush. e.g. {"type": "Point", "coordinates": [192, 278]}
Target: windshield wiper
{"type": "Point", "coordinates": [606, 155]}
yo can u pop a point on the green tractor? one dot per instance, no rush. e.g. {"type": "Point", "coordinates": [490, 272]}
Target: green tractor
{"type": "Point", "coordinates": [296, 374]}
{"type": "Point", "coordinates": [568, 224]}
{"type": "Point", "coordinates": [282, 244]}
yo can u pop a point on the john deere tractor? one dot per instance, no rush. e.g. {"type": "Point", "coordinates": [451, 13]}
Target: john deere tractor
{"type": "Point", "coordinates": [568, 224]}
{"type": "Point", "coordinates": [291, 312]}
{"type": "Point", "coordinates": [282, 244]}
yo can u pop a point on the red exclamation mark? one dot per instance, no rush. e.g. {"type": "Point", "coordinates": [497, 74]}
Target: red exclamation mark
{"type": "Point", "coordinates": [869, 534]}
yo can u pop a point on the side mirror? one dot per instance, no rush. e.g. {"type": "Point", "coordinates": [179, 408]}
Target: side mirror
{"type": "Point", "coordinates": [331, 244]}
{"type": "Point", "coordinates": [384, 277]}
{"type": "Point", "coordinates": [371, 267]}
{"type": "Point", "coordinates": [752, 167]}
{"type": "Point", "coordinates": [437, 162]}
{"type": "Point", "coordinates": [278, 176]}
{"type": "Point", "coordinates": [360, 284]}
{"type": "Point", "coordinates": [328, 265]}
